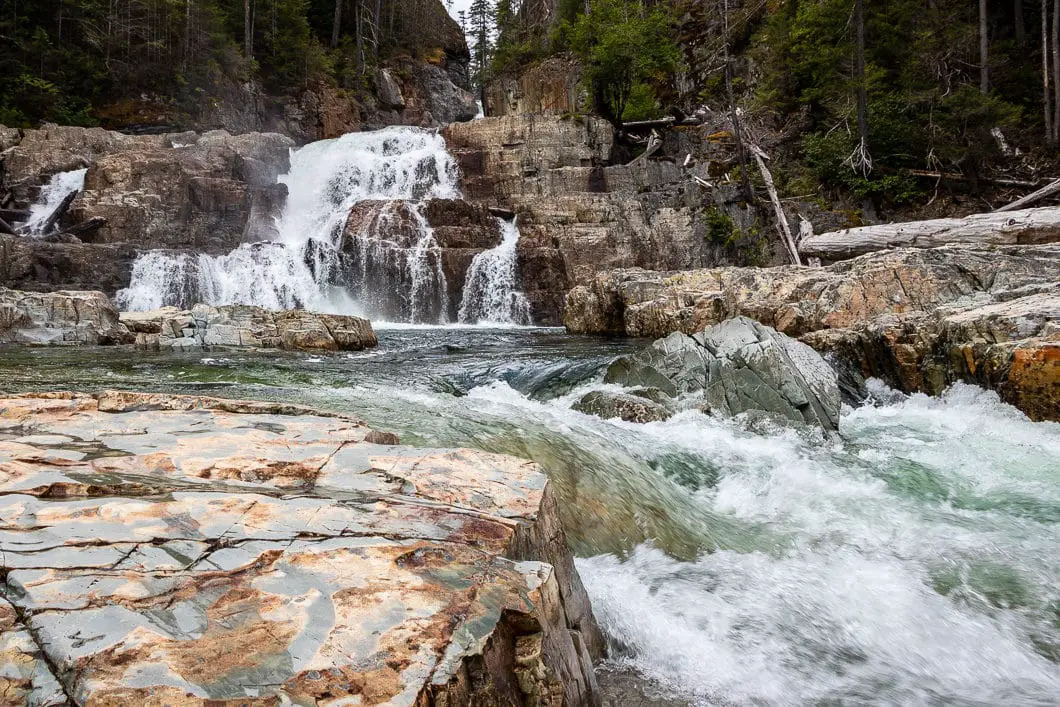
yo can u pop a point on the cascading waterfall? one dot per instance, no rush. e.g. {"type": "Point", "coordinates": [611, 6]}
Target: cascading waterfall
{"type": "Point", "coordinates": [52, 194]}
{"type": "Point", "coordinates": [318, 262]}
{"type": "Point", "coordinates": [490, 292]}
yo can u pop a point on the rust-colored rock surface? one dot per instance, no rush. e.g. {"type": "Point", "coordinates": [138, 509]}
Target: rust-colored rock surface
{"type": "Point", "coordinates": [920, 319]}
{"type": "Point", "coordinates": [188, 551]}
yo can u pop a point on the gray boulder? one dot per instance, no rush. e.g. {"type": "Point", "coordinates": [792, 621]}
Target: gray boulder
{"type": "Point", "coordinates": [60, 318]}
{"type": "Point", "coordinates": [736, 366]}
{"type": "Point", "coordinates": [631, 408]}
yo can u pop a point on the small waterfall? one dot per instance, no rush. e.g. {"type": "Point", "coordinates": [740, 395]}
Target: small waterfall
{"type": "Point", "coordinates": [391, 267]}
{"type": "Point", "coordinates": [490, 292]}
{"type": "Point", "coordinates": [52, 194]}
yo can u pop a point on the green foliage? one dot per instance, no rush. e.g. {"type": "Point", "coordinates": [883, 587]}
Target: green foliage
{"type": "Point", "coordinates": [743, 246]}
{"type": "Point", "coordinates": [626, 47]}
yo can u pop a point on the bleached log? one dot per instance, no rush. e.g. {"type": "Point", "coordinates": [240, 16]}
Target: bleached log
{"type": "Point", "coordinates": [778, 209]}
{"type": "Point", "coordinates": [1047, 190]}
{"type": "Point", "coordinates": [1026, 227]}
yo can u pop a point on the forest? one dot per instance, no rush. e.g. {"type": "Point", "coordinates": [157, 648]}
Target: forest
{"type": "Point", "coordinates": [867, 97]}
{"type": "Point", "coordinates": [76, 61]}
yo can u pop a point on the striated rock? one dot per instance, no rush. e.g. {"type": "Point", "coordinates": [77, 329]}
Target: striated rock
{"type": "Point", "coordinates": [736, 366]}
{"type": "Point", "coordinates": [210, 196]}
{"type": "Point", "coordinates": [180, 550]}
{"type": "Point", "coordinates": [553, 85]}
{"type": "Point", "coordinates": [25, 677]}
{"type": "Point", "coordinates": [35, 264]}
{"type": "Point", "coordinates": [578, 214]}
{"type": "Point", "coordinates": [919, 319]}
{"type": "Point", "coordinates": [60, 318]}
{"type": "Point", "coordinates": [205, 327]}
{"type": "Point", "coordinates": [629, 407]}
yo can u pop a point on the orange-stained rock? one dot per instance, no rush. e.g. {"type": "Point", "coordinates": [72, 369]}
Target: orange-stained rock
{"type": "Point", "coordinates": [189, 551]}
{"type": "Point", "coordinates": [920, 319]}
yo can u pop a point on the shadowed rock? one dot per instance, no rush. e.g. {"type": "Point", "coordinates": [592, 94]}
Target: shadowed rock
{"type": "Point", "coordinates": [737, 366]}
{"type": "Point", "coordinates": [181, 550]}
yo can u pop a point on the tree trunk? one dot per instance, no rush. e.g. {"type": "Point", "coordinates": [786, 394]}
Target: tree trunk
{"type": "Point", "coordinates": [1050, 137]}
{"type": "Point", "coordinates": [984, 49]}
{"type": "Point", "coordinates": [248, 30]}
{"type": "Point", "coordinates": [863, 96]}
{"type": "Point", "coordinates": [1021, 28]}
{"type": "Point", "coordinates": [336, 24]}
{"type": "Point", "coordinates": [1056, 70]}
{"type": "Point", "coordinates": [1026, 227]}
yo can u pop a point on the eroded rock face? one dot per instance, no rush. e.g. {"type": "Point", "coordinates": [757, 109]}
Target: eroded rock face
{"type": "Point", "coordinates": [736, 366]}
{"type": "Point", "coordinates": [182, 550]}
{"type": "Point", "coordinates": [209, 196]}
{"type": "Point", "coordinates": [919, 319]}
{"type": "Point", "coordinates": [205, 327]}
{"type": "Point", "coordinates": [579, 214]}
{"type": "Point", "coordinates": [60, 318]}
{"type": "Point", "coordinates": [36, 264]}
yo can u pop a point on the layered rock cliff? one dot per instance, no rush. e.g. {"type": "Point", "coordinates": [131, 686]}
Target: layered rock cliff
{"type": "Point", "coordinates": [919, 319]}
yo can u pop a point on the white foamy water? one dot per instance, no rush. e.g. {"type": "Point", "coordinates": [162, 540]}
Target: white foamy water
{"type": "Point", "coordinates": [60, 186]}
{"type": "Point", "coordinates": [922, 567]}
{"type": "Point", "coordinates": [377, 274]}
{"type": "Point", "coordinates": [490, 290]}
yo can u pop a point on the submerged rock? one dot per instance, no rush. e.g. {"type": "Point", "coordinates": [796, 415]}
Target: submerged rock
{"type": "Point", "coordinates": [629, 407]}
{"type": "Point", "coordinates": [183, 550]}
{"type": "Point", "coordinates": [738, 366]}
{"type": "Point", "coordinates": [60, 318]}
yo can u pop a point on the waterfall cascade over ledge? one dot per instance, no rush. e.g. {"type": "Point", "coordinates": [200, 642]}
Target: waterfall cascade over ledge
{"type": "Point", "coordinates": [386, 264]}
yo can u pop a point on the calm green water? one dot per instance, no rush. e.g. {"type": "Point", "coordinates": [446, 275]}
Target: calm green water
{"type": "Point", "coordinates": [916, 561]}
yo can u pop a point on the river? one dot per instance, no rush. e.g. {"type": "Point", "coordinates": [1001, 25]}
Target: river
{"type": "Point", "coordinates": [915, 560]}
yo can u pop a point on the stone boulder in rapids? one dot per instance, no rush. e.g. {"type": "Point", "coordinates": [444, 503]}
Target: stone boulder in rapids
{"type": "Point", "coordinates": [737, 366]}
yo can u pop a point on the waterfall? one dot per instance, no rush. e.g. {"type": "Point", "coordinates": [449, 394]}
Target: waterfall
{"type": "Point", "coordinates": [490, 293]}
{"type": "Point", "coordinates": [52, 194]}
{"type": "Point", "coordinates": [390, 267]}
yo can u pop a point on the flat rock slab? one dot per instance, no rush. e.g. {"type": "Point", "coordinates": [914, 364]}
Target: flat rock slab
{"type": "Point", "coordinates": [181, 550]}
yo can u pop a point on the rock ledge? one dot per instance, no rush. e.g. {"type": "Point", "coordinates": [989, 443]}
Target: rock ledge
{"type": "Point", "coordinates": [180, 550]}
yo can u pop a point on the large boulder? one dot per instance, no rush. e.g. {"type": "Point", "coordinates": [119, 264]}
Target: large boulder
{"type": "Point", "coordinates": [626, 406]}
{"type": "Point", "coordinates": [235, 325]}
{"type": "Point", "coordinates": [737, 366]}
{"type": "Point", "coordinates": [180, 550]}
{"type": "Point", "coordinates": [920, 319]}
{"type": "Point", "coordinates": [60, 318]}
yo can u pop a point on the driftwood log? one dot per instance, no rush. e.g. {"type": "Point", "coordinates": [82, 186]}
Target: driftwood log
{"type": "Point", "coordinates": [49, 224]}
{"type": "Point", "coordinates": [1046, 191]}
{"type": "Point", "coordinates": [1025, 227]}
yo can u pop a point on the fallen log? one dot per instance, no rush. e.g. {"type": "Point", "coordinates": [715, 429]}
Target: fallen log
{"type": "Point", "coordinates": [53, 218]}
{"type": "Point", "coordinates": [1026, 227]}
{"type": "Point", "coordinates": [10, 215]}
{"type": "Point", "coordinates": [1033, 197]}
{"type": "Point", "coordinates": [93, 224]}
{"type": "Point", "coordinates": [5, 227]}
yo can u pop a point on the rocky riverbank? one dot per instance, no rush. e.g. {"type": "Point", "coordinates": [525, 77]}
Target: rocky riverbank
{"type": "Point", "coordinates": [920, 319]}
{"type": "Point", "coordinates": [191, 549]}
{"type": "Point", "coordinates": [90, 318]}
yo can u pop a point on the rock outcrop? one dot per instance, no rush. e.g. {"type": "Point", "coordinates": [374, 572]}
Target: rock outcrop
{"type": "Point", "coordinates": [631, 407]}
{"type": "Point", "coordinates": [205, 327]}
{"type": "Point", "coordinates": [737, 366]}
{"type": "Point", "coordinates": [36, 264]}
{"type": "Point", "coordinates": [919, 319]}
{"type": "Point", "coordinates": [578, 213]}
{"type": "Point", "coordinates": [179, 550]}
{"type": "Point", "coordinates": [60, 318]}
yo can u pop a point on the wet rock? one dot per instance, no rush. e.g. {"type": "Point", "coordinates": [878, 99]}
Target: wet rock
{"type": "Point", "coordinates": [920, 319]}
{"type": "Point", "coordinates": [205, 327]}
{"type": "Point", "coordinates": [189, 550]}
{"type": "Point", "coordinates": [210, 196]}
{"type": "Point", "coordinates": [629, 407]}
{"type": "Point", "coordinates": [737, 366]}
{"type": "Point", "coordinates": [37, 265]}
{"type": "Point", "coordinates": [60, 318]}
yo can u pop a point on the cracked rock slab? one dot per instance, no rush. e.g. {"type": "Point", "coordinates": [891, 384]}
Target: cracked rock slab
{"type": "Point", "coordinates": [182, 550]}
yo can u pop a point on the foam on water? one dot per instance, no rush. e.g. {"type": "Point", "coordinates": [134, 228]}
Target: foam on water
{"type": "Point", "coordinates": [60, 186]}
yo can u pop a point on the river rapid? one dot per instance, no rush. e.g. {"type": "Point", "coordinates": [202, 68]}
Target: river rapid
{"type": "Point", "coordinates": [915, 560]}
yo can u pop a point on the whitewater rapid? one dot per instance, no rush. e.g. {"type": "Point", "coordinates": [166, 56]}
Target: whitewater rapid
{"type": "Point", "coordinates": [52, 195]}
